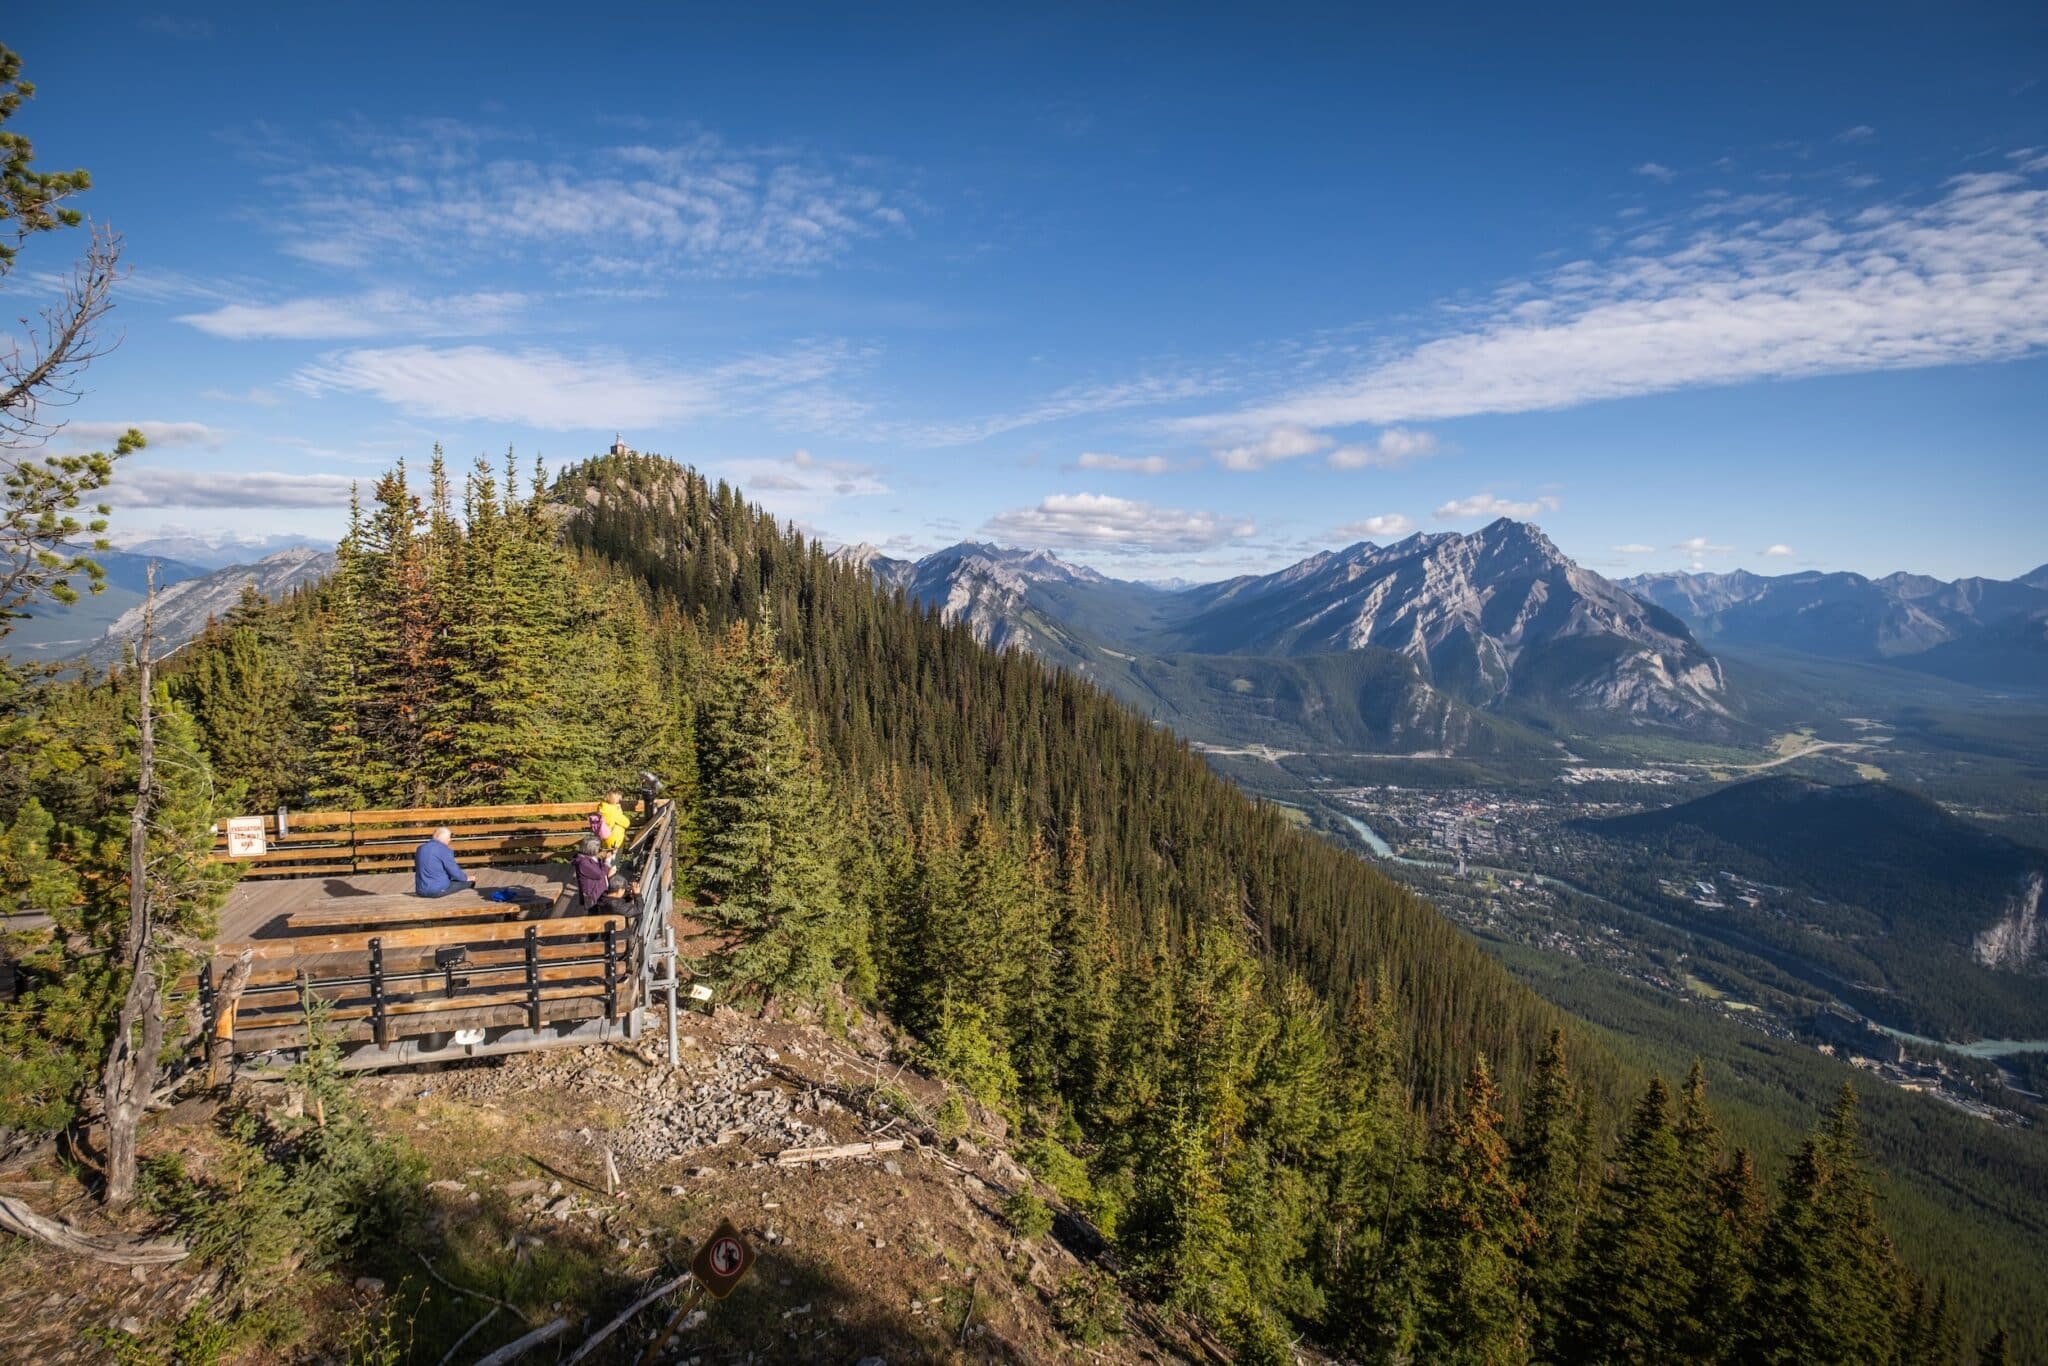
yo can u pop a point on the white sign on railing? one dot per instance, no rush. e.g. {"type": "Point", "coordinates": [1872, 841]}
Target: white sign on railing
{"type": "Point", "coordinates": [245, 836]}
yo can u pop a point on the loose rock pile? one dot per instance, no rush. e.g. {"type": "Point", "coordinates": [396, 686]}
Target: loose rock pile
{"type": "Point", "coordinates": [718, 1096]}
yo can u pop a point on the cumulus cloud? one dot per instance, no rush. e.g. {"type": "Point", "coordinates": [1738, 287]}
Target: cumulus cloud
{"type": "Point", "coordinates": [376, 313]}
{"type": "Point", "coordinates": [1634, 548]}
{"type": "Point", "coordinates": [1286, 441]}
{"type": "Point", "coordinates": [1386, 526]}
{"type": "Point", "coordinates": [1104, 522]}
{"type": "Point", "coordinates": [142, 486]}
{"type": "Point", "coordinates": [561, 392]}
{"type": "Point", "coordinates": [1762, 290]}
{"type": "Point", "coordinates": [1486, 506]}
{"type": "Point", "coordinates": [1780, 551]}
{"type": "Point", "coordinates": [1700, 545]}
{"type": "Point", "coordinates": [1391, 449]}
{"type": "Point", "coordinates": [1122, 464]}
{"type": "Point", "coordinates": [434, 189]}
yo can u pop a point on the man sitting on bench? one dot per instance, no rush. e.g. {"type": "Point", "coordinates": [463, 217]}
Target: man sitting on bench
{"type": "Point", "coordinates": [434, 869]}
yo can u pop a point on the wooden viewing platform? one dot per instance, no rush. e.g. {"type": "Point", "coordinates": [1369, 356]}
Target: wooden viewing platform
{"type": "Point", "coordinates": [322, 922]}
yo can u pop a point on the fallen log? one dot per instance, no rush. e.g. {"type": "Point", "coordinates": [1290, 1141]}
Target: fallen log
{"type": "Point", "coordinates": [518, 1348]}
{"type": "Point", "coordinates": [19, 1219]}
{"type": "Point", "coordinates": [790, 1157]}
{"type": "Point", "coordinates": [590, 1345]}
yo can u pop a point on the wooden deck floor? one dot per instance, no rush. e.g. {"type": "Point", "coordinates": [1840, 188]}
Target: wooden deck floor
{"type": "Point", "coordinates": [256, 909]}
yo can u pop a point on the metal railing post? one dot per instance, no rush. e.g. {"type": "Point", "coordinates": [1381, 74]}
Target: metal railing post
{"type": "Point", "coordinates": [533, 977]}
{"type": "Point", "coordinates": [380, 1026]}
{"type": "Point", "coordinates": [611, 966]}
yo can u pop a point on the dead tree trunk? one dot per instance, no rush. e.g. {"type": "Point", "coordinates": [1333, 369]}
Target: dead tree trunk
{"type": "Point", "coordinates": [130, 1074]}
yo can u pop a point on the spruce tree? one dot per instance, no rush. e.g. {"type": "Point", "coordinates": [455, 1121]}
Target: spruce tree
{"type": "Point", "coordinates": [1548, 1162]}
{"type": "Point", "coordinates": [766, 877]}
{"type": "Point", "coordinates": [1470, 1234]}
{"type": "Point", "coordinates": [1631, 1296]}
{"type": "Point", "coordinates": [1828, 1287]}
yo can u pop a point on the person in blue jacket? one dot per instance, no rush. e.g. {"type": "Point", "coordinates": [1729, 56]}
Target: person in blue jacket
{"type": "Point", "coordinates": [434, 869]}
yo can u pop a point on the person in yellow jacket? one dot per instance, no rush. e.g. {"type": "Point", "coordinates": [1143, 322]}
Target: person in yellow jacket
{"type": "Point", "coordinates": [612, 813]}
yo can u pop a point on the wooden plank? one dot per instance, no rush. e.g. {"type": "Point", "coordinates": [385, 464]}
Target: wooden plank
{"type": "Point", "coordinates": [790, 1157]}
{"type": "Point", "coordinates": [497, 932]}
{"type": "Point", "coordinates": [359, 1031]}
{"type": "Point", "coordinates": [584, 989]}
{"type": "Point", "coordinates": [449, 814]}
{"type": "Point", "coordinates": [273, 980]}
{"type": "Point", "coordinates": [403, 910]}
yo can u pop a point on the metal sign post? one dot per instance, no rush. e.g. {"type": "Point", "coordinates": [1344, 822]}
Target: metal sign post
{"type": "Point", "coordinates": [719, 1265]}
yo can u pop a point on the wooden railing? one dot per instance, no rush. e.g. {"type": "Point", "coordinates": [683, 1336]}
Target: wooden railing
{"type": "Point", "coordinates": [338, 842]}
{"type": "Point", "coordinates": [425, 979]}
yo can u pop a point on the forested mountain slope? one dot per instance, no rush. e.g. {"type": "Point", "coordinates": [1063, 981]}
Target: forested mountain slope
{"type": "Point", "coordinates": [1925, 920]}
{"type": "Point", "coordinates": [1292, 1097]}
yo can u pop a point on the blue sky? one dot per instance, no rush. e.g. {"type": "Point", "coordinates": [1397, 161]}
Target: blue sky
{"type": "Point", "coordinates": [1174, 292]}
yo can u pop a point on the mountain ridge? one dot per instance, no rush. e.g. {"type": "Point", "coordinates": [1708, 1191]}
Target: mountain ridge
{"type": "Point", "coordinates": [1485, 618]}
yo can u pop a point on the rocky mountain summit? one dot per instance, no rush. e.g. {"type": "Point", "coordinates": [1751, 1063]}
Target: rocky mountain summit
{"type": "Point", "coordinates": [1483, 619]}
{"type": "Point", "coordinates": [1496, 613]}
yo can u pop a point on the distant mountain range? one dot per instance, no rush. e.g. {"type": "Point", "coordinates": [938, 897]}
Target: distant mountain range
{"type": "Point", "coordinates": [1984, 631]}
{"type": "Point", "coordinates": [1441, 641]}
{"type": "Point", "coordinates": [96, 628]}
{"type": "Point", "coordinates": [221, 554]}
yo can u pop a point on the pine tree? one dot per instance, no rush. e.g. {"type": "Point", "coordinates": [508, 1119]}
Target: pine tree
{"type": "Point", "coordinates": [766, 878]}
{"type": "Point", "coordinates": [1548, 1162]}
{"type": "Point", "coordinates": [340, 756]}
{"type": "Point", "coordinates": [1828, 1286]}
{"type": "Point", "coordinates": [1470, 1233]}
{"type": "Point", "coordinates": [245, 690]}
{"type": "Point", "coordinates": [1631, 1296]}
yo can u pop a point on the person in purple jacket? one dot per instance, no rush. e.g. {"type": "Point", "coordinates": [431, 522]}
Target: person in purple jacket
{"type": "Point", "coordinates": [592, 874]}
{"type": "Point", "coordinates": [434, 869]}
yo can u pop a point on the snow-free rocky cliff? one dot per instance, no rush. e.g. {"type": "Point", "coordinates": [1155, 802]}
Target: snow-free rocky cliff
{"type": "Point", "coordinates": [1496, 616]}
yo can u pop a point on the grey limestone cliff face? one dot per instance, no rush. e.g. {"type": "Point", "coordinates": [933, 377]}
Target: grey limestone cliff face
{"type": "Point", "coordinates": [184, 608]}
{"type": "Point", "coordinates": [2017, 940]}
{"type": "Point", "coordinates": [1497, 613]}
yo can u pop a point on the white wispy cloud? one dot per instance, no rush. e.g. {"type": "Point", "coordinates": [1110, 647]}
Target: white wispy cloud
{"type": "Point", "coordinates": [145, 486]}
{"type": "Point", "coordinates": [561, 392]}
{"type": "Point", "coordinates": [1657, 172]}
{"type": "Point", "coordinates": [1122, 464]}
{"type": "Point", "coordinates": [1390, 450]}
{"type": "Point", "coordinates": [374, 313]}
{"type": "Point", "coordinates": [1101, 521]}
{"type": "Point", "coordinates": [100, 434]}
{"type": "Point", "coordinates": [1286, 441]}
{"type": "Point", "coordinates": [1072, 401]}
{"type": "Point", "coordinates": [1862, 132]}
{"type": "Point", "coordinates": [1700, 545]}
{"type": "Point", "coordinates": [801, 485]}
{"type": "Point", "coordinates": [1386, 525]}
{"type": "Point", "coordinates": [1634, 548]}
{"type": "Point", "coordinates": [1757, 290]}
{"type": "Point", "coordinates": [438, 189]}
{"type": "Point", "coordinates": [1488, 506]}
{"type": "Point", "coordinates": [1780, 551]}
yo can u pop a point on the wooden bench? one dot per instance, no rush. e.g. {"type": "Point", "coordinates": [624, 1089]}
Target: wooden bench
{"type": "Point", "coordinates": [404, 908]}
